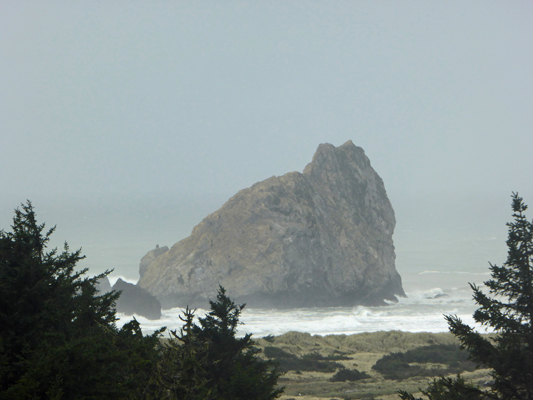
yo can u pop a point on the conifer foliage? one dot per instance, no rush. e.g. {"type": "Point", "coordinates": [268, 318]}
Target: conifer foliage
{"type": "Point", "coordinates": [508, 311]}
{"type": "Point", "coordinates": [58, 337]}
{"type": "Point", "coordinates": [208, 360]}
{"type": "Point", "coordinates": [59, 340]}
{"type": "Point", "coordinates": [182, 369]}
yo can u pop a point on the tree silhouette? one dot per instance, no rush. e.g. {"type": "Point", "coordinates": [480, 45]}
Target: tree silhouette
{"type": "Point", "coordinates": [58, 337]}
{"type": "Point", "coordinates": [508, 311]}
{"type": "Point", "coordinates": [208, 360]}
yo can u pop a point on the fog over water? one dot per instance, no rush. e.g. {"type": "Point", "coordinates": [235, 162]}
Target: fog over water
{"type": "Point", "coordinates": [126, 124]}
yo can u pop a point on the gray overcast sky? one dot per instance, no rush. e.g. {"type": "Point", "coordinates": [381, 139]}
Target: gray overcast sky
{"type": "Point", "coordinates": [125, 101]}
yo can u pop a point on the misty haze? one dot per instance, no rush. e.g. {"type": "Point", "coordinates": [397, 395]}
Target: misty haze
{"type": "Point", "coordinates": [349, 165]}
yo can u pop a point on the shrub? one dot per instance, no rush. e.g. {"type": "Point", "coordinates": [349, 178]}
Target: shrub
{"type": "Point", "coordinates": [351, 375]}
{"type": "Point", "coordinates": [308, 362]}
{"type": "Point", "coordinates": [397, 365]}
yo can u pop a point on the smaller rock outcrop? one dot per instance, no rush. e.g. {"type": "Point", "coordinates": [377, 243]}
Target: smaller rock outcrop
{"type": "Point", "coordinates": [136, 300]}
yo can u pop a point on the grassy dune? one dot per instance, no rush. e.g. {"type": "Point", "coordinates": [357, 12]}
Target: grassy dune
{"type": "Point", "coordinates": [358, 351]}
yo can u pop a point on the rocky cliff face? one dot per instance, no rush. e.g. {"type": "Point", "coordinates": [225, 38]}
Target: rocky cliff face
{"type": "Point", "coordinates": [149, 258]}
{"type": "Point", "coordinates": [318, 238]}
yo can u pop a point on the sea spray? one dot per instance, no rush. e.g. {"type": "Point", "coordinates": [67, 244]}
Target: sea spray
{"type": "Point", "coordinates": [421, 311]}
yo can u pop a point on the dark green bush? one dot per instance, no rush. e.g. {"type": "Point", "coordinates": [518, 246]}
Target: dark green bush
{"type": "Point", "coordinates": [269, 338]}
{"type": "Point", "coordinates": [351, 375]}
{"type": "Point", "coordinates": [308, 362]}
{"type": "Point", "coordinates": [276, 352]}
{"type": "Point", "coordinates": [396, 365]}
{"type": "Point", "coordinates": [437, 353]}
{"type": "Point", "coordinates": [318, 357]}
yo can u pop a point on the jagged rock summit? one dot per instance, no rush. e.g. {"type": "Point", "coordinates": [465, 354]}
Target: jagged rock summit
{"type": "Point", "coordinates": [133, 299]}
{"type": "Point", "coordinates": [318, 238]}
{"type": "Point", "coordinates": [136, 300]}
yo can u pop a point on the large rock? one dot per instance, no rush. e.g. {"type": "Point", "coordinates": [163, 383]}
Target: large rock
{"type": "Point", "coordinates": [136, 300]}
{"type": "Point", "coordinates": [318, 238]}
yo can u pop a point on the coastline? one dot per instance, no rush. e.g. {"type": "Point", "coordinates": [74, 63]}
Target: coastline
{"type": "Point", "coordinates": [421, 312]}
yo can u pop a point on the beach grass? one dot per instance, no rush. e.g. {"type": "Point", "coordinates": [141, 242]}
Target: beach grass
{"type": "Point", "coordinates": [360, 352]}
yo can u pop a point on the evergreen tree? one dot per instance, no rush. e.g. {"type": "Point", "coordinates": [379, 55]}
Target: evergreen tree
{"type": "Point", "coordinates": [210, 362]}
{"type": "Point", "coordinates": [182, 368]}
{"type": "Point", "coordinates": [235, 370]}
{"type": "Point", "coordinates": [58, 337]}
{"type": "Point", "coordinates": [508, 310]}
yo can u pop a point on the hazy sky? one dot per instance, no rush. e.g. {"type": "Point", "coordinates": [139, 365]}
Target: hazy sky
{"type": "Point", "coordinates": [183, 103]}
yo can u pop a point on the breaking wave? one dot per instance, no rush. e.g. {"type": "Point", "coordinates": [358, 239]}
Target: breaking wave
{"type": "Point", "coordinates": [421, 311]}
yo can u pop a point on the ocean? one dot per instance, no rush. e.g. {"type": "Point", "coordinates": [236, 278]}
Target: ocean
{"type": "Point", "coordinates": [421, 311]}
{"type": "Point", "coordinates": [437, 254]}
{"type": "Point", "coordinates": [437, 257]}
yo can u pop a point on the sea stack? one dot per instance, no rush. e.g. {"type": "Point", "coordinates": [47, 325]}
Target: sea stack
{"type": "Point", "coordinates": [313, 239]}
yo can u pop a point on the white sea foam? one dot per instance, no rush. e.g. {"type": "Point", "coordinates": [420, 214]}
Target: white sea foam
{"type": "Point", "coordinates": [421, 311]}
